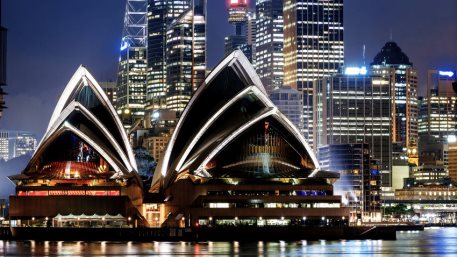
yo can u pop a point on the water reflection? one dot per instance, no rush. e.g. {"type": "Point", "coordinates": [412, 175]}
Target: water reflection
{"type": "Point", "coordinates": [431, 242]}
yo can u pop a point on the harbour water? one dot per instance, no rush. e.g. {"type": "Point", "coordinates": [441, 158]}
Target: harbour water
{"type": "Point", "coordinates": [430, 242]}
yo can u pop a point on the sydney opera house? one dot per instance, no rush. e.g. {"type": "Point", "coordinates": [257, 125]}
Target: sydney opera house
{"type": "Point", "coordinates": [233, 159]}
{"type": "Point", "coordinates": [83, 167]}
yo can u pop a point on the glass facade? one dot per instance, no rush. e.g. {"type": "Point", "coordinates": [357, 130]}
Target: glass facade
{"type": "Point", "coordinates": [353, 110]}
{"type": "Point", "coordinates": [313, 48]}
{"type": "Point", "coordinates": [186, 62]}
{"type": "Point", "coordinates": [392, 63]}
{"type": "Point", "coordinates": [289, 101]}
{"type": "Point", "coordinates": [359, 182]}
{"type": "Point", "coordinates": [269, 59]}
{"type": "Point", "coordinates": [131, 79]}
{"type": "Point", "coordinates": [16, 143]}
{"type": "Point", "coordinates": [176, 52]}
{"type": "Point", "coordinates": [161, 14]}
{"type": "Point", "coordinates": [131, 84]}
{"type": "Point", "coordinates": [437, 111]}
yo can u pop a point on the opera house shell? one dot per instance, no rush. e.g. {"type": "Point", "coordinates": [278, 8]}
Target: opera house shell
{"type": "Point", "coordinates": [234, 158]}
{"type": "Point", "coordinates": [83, 167]}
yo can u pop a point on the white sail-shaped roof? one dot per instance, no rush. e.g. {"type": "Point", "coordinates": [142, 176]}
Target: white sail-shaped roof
{"type": "Point", "coordinates": [229, 104]}
{"type": "Point", "coordinates": [85, 111]}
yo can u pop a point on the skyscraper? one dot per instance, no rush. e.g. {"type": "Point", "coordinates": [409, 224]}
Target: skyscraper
{"type": "Point", "coordinates": [392, 62]}
{"type": "Point", "coordinates": [359, 182]}
{"type": "Point", "coordinates": [289, 101]}
{"type": "Point", "coordinates": [131, 81]}
{"type": "Point", "coordinates": [354, 109]}
{"type": "Point", "coordinates": [16, 143]}
{"type": "Point", "coordinates": [269, 59]}
{"type": "Point", "coordinates": [109, 88]}
{"type": "Point", "coordinates": [437, 115]}
{"type": "Point", "coordinates": [176, 52]}
{"type": "Point", "coordinates": [160, 15]}
{"type": "Point", "coordinates": [313, 47]}
{"type": "Point", "coordinates": [239, 17]}
{"type": "Point", "coordinates": [4, 145]}
{"type": "Point", "coordinates": [186, 56]}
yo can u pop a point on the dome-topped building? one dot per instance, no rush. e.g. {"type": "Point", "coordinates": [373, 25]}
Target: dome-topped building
{"type": "Point", "coordinates": [234, 157]}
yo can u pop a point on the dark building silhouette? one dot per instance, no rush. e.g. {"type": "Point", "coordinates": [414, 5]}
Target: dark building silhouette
{"type": "Point", "coordinates": [2, 63]}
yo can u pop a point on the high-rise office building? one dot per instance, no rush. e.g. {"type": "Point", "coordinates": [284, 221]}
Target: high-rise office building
{"type": "Point", "coordinates": [161, 14]}
{"type": "Point", "coordinates": [392, 62]}
{"type": "Point", "coordinates": [110, 90]}
{"type": "Point", "coordinates": [16, 143]}
{"type": "Point", "coordinates": [2, 62]}
{"type": "Point", "coordinates": [360, 181]}
{"type": "Point", "coordinates": [313, 47]}
{"type": "Point", "coordinates": [269, 58]}
{"type": "Point", "coordinates": [251, 29]}
{"type": "Point", "coordinates": [186, 57]}
{"type": "Point", "coordinates": [437, 114]}
{"type": "Point", "coordinates": [452, 158]}
{"type": "Point", "coordinates": [239, 16]}
{"type": "Point", "coordinates": [289, 101]}
{"type": "Point", "coordinates": [354, 109]}
{"type": "Point", "coordinates": [176, 52]}
{"type": "Point", "coordinates": [4, 145]}
{"type": "Point", "coordinates": [131, 80]}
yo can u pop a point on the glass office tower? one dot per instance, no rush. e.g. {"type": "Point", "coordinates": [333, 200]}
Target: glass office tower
{"type": "Point", "coordinates": [313, 47]}
{"type": "Point", "coordinates": [269, 58]}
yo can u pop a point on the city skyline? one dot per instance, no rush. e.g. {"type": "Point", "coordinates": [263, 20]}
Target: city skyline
{"type": "Point", "coordinates": [227, 120]}
{"type": "Point", "coordinates": [49, 46]}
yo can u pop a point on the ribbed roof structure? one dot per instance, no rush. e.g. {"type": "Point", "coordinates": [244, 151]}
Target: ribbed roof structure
{"type": "Point", "coordinates": [230, 128]}
{"type": "Point", "coordinates": [84, 114]}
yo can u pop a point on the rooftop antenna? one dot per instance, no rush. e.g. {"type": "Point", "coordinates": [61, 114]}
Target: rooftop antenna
{"type": "Point", "coordinates": [391, 35]}
{"type": "Point", "coordinates": [363, 54]}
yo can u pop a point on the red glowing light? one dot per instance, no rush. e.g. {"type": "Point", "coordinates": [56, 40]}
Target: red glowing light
{"type": "Point", "coordinates": [236, 3]}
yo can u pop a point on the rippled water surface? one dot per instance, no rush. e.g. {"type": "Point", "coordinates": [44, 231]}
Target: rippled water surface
{"type": "Point", "coordinates": [431, 242]}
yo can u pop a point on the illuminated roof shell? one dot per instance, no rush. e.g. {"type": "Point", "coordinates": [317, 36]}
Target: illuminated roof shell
{"type": "Point", "coordinates": [118, 152]}
{"type": "Point", "coordinates": [237, 78]}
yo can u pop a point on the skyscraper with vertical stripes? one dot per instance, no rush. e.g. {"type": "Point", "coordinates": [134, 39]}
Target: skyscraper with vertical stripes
{"type": "Point", "coordinates": [176, 52]}
{"type": "Point", "coordinates": [313, 47]}
{"type": "Point", "coordinates": [269, 43]}
{"type": "Point", "coordinates": [131, 80]}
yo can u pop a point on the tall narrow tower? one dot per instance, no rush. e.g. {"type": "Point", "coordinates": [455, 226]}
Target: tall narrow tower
{"type": "Point", "coordinates": [313, 48]}
{"type": "Point", "coordinates": [237, 14]}
{"type": "Point", "coordinates": [238, 17]}
{"type": "Point", "coordinates": [131, 81]}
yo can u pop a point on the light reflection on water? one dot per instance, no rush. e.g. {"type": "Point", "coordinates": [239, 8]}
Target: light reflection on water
{"type": "Point", "coordinates": [431, 242]}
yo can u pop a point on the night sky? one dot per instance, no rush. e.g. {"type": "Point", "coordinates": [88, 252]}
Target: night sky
{"type": "Point", "coordinates": [49, 39]}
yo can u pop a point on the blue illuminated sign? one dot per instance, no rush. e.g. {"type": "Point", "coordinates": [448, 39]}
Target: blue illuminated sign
{"type": "Point", "coordinates": [450, 74]}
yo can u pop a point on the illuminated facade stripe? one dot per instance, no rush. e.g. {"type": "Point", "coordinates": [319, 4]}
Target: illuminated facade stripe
{"type": "Point", "coordinates": [313, 48]}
